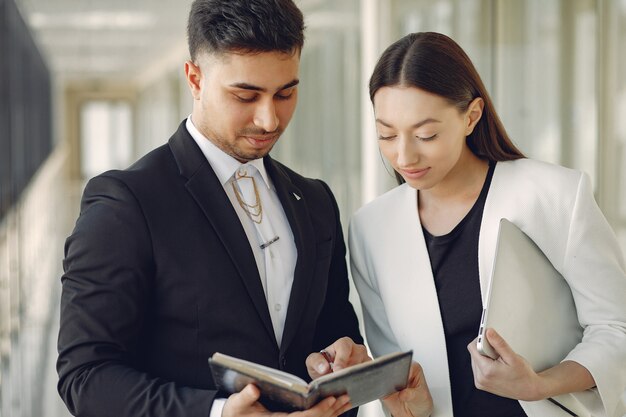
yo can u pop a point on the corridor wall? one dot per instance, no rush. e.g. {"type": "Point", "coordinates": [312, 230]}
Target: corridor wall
{"type": "Point", "coordinates": [25, 106]}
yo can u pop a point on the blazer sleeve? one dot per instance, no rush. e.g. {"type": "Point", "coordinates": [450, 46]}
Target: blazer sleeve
{"type": "Point", "coordinates": [106, 285]}
{"type": "Point", "coordinates": [594, 269]}
{"type": "Point", "coordinates": [337, 308]}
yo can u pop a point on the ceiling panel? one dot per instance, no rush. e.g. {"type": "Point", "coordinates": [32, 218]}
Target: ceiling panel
{"type": "Point", "coordinates": [124, 39]}
{"type": "Point", "coordinates": [116, 39]}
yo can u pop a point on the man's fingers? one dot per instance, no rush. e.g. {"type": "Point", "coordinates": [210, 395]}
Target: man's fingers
{"type": "Point", "coordinates": [346, 353]}
{"type": "Point", "coordinates": [317, 365]}
{"type": "Point", "coordinates": [341, 406]}
{"type": "Point", "coordinates": [249, 395]}
{"type": "Point", "coordinates": [329, 407]}
{"type": "Point", "coordinates": [340, 352]}
{"type": "Point", "coordinates": [243, 402]}
{"type": "Point", "coordinates": [339, 355]}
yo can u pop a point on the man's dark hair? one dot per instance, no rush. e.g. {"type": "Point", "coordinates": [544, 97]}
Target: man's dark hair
{"type": "Point", "coordinates": [244, 26]}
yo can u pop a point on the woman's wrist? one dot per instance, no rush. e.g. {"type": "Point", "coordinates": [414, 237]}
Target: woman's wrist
{"type": "Point", "coordinates": [566, 377]}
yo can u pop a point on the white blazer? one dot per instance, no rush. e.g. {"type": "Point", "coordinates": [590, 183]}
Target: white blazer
{"type": "Point", "coordinates": [556, 208]}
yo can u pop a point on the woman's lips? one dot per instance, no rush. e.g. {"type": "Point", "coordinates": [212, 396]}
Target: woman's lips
{"type": "Point", "coordinates": [414, 173]}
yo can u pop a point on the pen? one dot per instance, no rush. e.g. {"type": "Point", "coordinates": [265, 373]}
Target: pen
{"type": "Point", "coordinates": [328, 358]}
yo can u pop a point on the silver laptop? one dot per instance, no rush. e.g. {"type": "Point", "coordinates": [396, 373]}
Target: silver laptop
{"type": "Point", "coordinates": [528, 303]}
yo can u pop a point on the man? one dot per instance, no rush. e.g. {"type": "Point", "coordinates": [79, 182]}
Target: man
{"type": "Point", "coordinates": [207, 244]}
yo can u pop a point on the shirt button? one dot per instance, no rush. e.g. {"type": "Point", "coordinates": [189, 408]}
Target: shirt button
{"type": "Point", "coordinates": [272, 254]}
{"type": "Point", "coordinates": [277, 307]}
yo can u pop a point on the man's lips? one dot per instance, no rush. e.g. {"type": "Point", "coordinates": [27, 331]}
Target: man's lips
{"type": "Point", "coordinates": [260, 141]}
{"type": "Point", "coordinates": [259, 135]}
{"type": "Point", "coordinates": [260, 138]}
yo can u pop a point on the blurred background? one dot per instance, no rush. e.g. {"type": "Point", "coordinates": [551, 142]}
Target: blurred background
{"type": "Point", "coordinates": [89, 85]}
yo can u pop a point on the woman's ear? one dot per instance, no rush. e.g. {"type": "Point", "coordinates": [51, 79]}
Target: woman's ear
{"type": "Point", "coordinates": [473, 114]}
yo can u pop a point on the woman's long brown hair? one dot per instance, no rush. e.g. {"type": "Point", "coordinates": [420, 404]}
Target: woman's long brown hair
{"type": "Point", "coordinates": [435, 63]}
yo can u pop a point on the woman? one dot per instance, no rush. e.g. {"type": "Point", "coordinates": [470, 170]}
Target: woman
{"type": "Point", "coordinates": [421, 253]}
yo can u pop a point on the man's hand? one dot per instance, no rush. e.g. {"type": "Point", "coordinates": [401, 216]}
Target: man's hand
{"type": "Point", "coordinates": [414, 400]}
{"type": "Point", "coordinates": [245, 404]}
{"type": "Point", "coordinates": [341, 354]}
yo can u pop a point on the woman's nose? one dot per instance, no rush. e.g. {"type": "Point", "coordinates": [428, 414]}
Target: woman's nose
{"type": "Point", "coordinates": [407, 152]}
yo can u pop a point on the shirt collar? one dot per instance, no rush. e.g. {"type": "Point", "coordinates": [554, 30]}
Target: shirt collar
{"type": "Point", "coordinates": [223, 164]}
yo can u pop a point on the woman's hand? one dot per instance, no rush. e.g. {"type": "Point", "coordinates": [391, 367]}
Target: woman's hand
{"type": "Point", "coordinates": [508, 376]}
{"type": "Point", "coordinates": [512, 376]}
{"type": "Point", "coordinates": [414, 400]}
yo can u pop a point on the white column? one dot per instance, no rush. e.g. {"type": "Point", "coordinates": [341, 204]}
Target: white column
{"type": "Point", "coordinates": [375, 34]}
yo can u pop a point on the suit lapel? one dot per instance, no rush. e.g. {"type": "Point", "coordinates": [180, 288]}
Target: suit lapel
{"type": "Point", "coordinates": [207, 191]}
{"type": "Point", "coordinates": [297, 213]}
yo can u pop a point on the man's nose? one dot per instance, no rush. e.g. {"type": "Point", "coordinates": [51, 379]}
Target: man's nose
{"type": "Point", "coordinates": [265, 116]}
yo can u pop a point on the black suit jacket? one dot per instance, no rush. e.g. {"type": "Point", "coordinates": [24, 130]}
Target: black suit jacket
{"type": "Point", "coordinates": [159, 275]}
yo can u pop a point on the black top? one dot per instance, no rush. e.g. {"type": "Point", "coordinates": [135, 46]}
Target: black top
{"type": "Point", "coordinates": [454, 262]}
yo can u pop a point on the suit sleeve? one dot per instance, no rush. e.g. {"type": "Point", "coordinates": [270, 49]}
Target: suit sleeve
{"type": "Point", "coordinates": [106, 286]}
{"type": "Point", "coordinates": [337, 318]}
{"type": "Point", "coordinates": [594, 269]}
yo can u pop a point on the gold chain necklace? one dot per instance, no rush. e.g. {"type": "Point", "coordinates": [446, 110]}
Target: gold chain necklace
{"type": "Point", "coordinates": [254, 211]}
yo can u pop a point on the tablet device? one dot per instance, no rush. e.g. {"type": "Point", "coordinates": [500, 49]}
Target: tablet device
{"type": "Point", "coordinates": [528, 303]}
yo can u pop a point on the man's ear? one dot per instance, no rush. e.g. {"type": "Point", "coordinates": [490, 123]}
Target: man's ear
{"type": "Point", "coordinates": [473, 114]}
{"type": "Point", "coordinates": [194, 78]}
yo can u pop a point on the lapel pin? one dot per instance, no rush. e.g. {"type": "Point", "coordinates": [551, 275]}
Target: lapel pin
{"type": "Point", "coordinates": [296, 196]}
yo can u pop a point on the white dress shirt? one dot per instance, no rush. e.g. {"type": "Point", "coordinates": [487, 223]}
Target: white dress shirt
{"type": "Point", "coordinates": [277, 262]}
{"type": "Point", "coordinates": [277, 284]}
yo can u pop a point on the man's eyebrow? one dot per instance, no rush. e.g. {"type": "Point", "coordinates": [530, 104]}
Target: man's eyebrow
{"type": "Point", "coordinates": [290, 84]}
{"type": "Point", "coordinates": [251, 87]}
{"type": "Point", "coordinates": [415, 126]}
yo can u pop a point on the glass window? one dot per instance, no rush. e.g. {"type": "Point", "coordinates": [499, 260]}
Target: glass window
{"type": "Point", "coordinates": [468, 22]}
{"type": "Point", "coordinates": [106, 137]}
{"type": "Point", "coordinates": [527, 77]}
{"type": "Point", "coordinates": [323, 138]}
{"type": "Point", "coordinates": [612, 169]}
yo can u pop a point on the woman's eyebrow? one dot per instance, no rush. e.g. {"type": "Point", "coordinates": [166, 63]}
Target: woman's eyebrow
{"type": "Point", "coordinates": [415, 126]}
